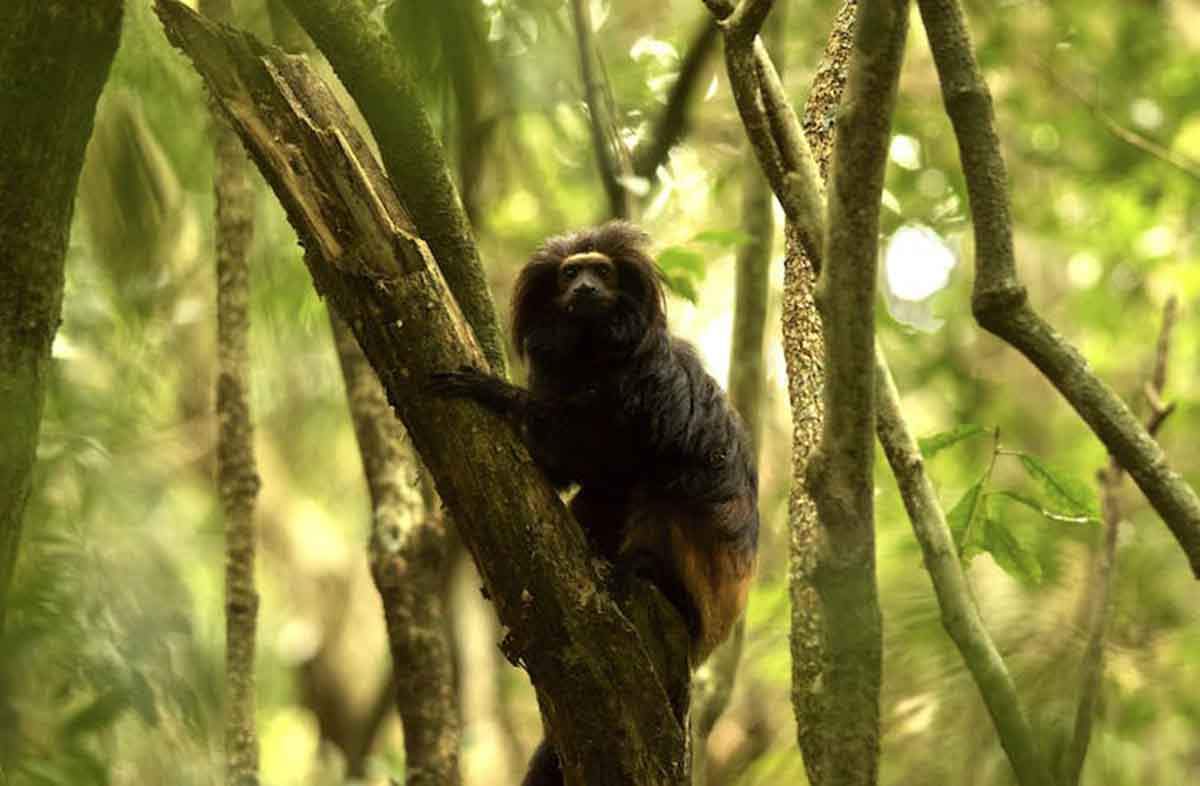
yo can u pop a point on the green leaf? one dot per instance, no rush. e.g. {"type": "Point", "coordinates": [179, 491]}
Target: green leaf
{"type": "Point", "coordinates": [1041, 510]}
{"type": "Point", "coordinates": [1066, 492]}
{"type": "Point", "coordinates": [960, 517]}
{"type": "Point", "coordinates": [936, 443]}
{"type": "Point", "coordinates": [674, 260]}
{"type": "Point", "coordinates": [682, 285]}
{"type": "Point", "coordinates": [1008, 552]}
{"type": "Point", "coordinates": [725, 238]}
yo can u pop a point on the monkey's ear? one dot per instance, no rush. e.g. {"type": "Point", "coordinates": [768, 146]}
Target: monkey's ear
{"type": "Point", "coordinates": [641, 279]}
{"type": "Point", "coordinates": [533, 297]}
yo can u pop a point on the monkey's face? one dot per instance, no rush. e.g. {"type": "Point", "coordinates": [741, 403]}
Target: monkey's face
{"type": "Point", "coordinates": [587, 284]}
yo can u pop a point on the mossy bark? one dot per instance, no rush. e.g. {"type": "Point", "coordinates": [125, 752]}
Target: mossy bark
{"type": "Point", "coordinates": [54, 58]}
{"type": "Point", "coordinates": [371, 68]}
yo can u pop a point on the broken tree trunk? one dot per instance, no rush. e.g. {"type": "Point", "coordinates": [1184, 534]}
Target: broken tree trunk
{"type": "Point", "coordinates": [604, 681]}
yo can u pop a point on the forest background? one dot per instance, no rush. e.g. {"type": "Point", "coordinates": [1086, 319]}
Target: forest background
{"type": "Point", "coordinates": [111, 660]}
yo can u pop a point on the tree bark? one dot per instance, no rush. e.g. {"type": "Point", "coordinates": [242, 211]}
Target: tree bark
{"type": "Point", "coordinates": [372, 70]}
{"type": "Point", "coordinates": [408, 557]}
{"type": "Point", "coordinates": [840, 475]}
{"type": "Point", "coordinates": [604, 682]}
{"type": "Point", "coordinates": [55, 57]}
{"type": "Point", "coordinates": [237, 473]}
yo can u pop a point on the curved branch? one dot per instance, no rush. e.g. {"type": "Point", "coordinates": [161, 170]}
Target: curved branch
{"type": "Point", "coordinates": [746, 21]}
{"type": "Point", "coordinates": [1001, 303]}
{"type": "Point", "coordinates": [672, 122]}
{"type": "Point", "coordinates": [771, 123]}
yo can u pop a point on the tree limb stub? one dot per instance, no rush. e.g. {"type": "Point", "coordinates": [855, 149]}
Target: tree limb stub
{"type": "Point", "coordinates": [600, 683]}
{"type": "Point", "coordinates": [1001, 304]}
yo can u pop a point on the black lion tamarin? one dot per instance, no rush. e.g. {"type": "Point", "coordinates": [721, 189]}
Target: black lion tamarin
{"type": "Point", "coordinates": [621, 408]}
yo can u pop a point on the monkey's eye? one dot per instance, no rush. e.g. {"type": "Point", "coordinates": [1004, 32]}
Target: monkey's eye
{"type": "Point", "coordinates": [570, 271]}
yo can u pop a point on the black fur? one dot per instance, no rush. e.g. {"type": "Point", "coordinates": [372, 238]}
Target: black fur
{"type": "Point", "coordinates": [619, 407]}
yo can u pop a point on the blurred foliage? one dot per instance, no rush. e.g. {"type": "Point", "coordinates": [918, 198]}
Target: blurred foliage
{"type": "Point", "coordinates": [110, 669]}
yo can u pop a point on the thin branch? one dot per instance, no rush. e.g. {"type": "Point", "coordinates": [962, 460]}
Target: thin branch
{"type": "Point", "coordinates": [606, 142]}
{"type": "Point", "coordinates": [1182, 163]}
{"type": "Point", "coordinates": [237, 474]}
{"type": "Point", "coordinates": [960, 617]}
{"type": "Point", "coordinates": [672, 121]}
{"type": "Point", "coordinates": [1092, 665]}
{"type": "Point", "coordinates": [1001, 303]}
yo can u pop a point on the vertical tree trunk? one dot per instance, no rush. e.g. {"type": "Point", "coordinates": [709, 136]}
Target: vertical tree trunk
{"type": "Point", "coordinates": [840, 475]}
{"type": "Point", "coordinates": [54, 58]}
{"type": "Point", "coordinates": [408, 555]}
{"type": "Point", "coordinates": [804, 349]}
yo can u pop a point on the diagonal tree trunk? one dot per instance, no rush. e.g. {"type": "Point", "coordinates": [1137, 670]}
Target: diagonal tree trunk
{"type": "Point", "coordinates": [603, 673]}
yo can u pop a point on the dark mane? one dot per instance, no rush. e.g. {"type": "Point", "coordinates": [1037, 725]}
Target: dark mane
{"type": "Point", "coordinates": [640, 280]}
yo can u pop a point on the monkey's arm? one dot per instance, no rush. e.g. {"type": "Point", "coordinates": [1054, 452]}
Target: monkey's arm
{"type": "Point", "coordinates": [524, 409]}
{"type": "Point", "coordinates": [490, 391]}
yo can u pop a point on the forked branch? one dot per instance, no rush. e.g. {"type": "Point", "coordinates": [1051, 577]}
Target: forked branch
{"type": "Point", "coordinates": [959, 615]}
{"type": "Point", "coordinates": [1001, 303]}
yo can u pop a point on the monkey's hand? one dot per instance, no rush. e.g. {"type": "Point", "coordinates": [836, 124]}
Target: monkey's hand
{"type": "Point", "coordinates": [458, 384]}
{"type": "Point", "coordinates": [492, 392]}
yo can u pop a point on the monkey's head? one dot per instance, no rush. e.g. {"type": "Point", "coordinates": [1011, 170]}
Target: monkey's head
{"type": "Point", "coordinates": [597, 280]}
{"type": "Point", "coordinates": [587, 284]}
